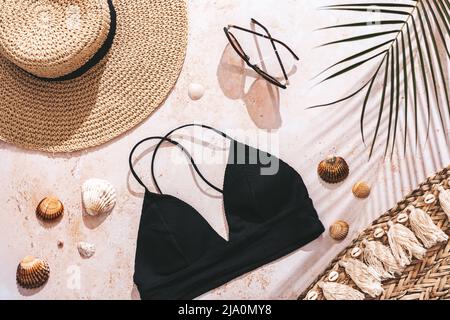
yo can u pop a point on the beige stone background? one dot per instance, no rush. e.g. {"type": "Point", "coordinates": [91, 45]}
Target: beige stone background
{"type": "Point", "coordinates": [237, 102]}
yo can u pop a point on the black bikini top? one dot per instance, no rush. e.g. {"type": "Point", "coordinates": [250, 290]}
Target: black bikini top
{"type": "Point", "coordinates": [269, 214]}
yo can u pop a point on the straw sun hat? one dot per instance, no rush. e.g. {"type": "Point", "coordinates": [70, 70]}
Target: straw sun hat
{"type": "Point", "coordinates": [77, 73]}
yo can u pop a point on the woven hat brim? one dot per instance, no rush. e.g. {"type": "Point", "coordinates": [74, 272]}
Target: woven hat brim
{"type": "Point", "coordinates": [118, 93]}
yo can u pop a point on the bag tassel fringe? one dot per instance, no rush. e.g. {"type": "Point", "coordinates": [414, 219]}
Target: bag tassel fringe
{"type": "Point", "coordinates": [339, 291]}
{"type": "Point", "coordinates": [424, 228]}
{"type": "Point", "coordinates": [363, 276]}
{"type": "Point", "coordinates": [404, 244]}
{"type": "Point", "coordinates": [444, 200]}
{"type": "Point", "coordinates": [379, 257]}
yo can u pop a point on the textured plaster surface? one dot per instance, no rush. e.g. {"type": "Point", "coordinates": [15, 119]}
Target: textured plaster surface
{"type": "Point", "coordinates": [246, 107]}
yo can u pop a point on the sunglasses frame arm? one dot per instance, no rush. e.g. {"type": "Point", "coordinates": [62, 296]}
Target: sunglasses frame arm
{"type": "Point", "coordinates": [237, 47]}
{"type": "Point", "coordinates": [274, 48]}
{"type": "Point", "coordinates": [266, 37]}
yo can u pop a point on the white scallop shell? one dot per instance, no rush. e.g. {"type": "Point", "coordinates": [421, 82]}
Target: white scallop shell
{"type": "Point", "coordinates": [99, 196]}
{"type": "Point", "coordinates": [85, 249]}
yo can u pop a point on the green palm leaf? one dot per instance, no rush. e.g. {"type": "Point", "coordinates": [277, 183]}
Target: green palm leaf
{"type": "Point", "coordinates": [411, 59]}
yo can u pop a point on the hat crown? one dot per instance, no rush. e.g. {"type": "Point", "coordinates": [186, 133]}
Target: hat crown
{"type": "Point", "coordinates": [52, 38]}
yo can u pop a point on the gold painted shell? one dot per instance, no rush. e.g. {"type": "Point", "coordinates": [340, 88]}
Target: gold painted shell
{"type": "Point", "coordinates": [32, 272]}
{"type": "Point", "coordinates": [339, 230]}
{"type": "Point", "coordinates": [50, 208]}
{"type": "Point", "coordinates": [361, 190]}
{"type": "Point", "coordinates": [333, 169]}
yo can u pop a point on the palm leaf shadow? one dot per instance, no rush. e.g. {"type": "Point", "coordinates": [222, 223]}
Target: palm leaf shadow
{"type": "Point", "coordinates": [410, 63]}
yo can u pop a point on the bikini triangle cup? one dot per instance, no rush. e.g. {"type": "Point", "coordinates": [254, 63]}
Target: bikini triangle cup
{"type": "Point", "coordinates": [179, 255]}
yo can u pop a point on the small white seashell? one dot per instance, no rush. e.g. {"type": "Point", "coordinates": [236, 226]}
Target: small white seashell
{"type": "Point", "coordinates": [429, 199]}
{"type": "Point", "coordinates": [312, 295]}
{"type": "Point", "coordinates": [196, 91]}
{"type": "Point", "coordinates": [99, 196]}
{"type": "Point", "coordinates": [402, 218]}
{"type": "Point", "coordinates": [378, 233]}
{"type": "Point", "coordinates": [356, 252]}
{"type": "Point", "coordinates": [85, 249]}
{"type": "Point", "coordinates": [333, 276]}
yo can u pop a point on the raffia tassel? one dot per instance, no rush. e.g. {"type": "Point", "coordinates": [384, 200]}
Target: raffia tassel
{"type": "Point", "coordinates": [339, 291]}
{"type": "Point", "coordinates": [379, 257]}
{"type": "Point", "coordinates": [444, 200]}
{"type": "Point", "coordinates": [363, 276]}
{"type": "Point", "coordinates": [404, 244]}
{"type": "Point", "coordinates": [424, 228]}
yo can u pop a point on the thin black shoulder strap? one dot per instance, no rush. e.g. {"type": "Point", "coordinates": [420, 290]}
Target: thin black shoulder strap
{"type": "Point", "coordinates": [162, 139]}
{"type": "Point", "coordinates": [195, 167]}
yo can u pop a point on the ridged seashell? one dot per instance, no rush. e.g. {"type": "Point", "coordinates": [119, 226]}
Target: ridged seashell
{"type": "Point", "coordinates": [50, 208]}
{"type": "Point", "coordinates": [99, 196]}
{"type": "Point", "coordinates": [85, 249]}
{"type": "Point", "coordinates": [312, 295]}
{"type": "Point", "coordinates": [333, 276]}
{"type": "Point", "coordinates": [339, 230]}
{"type": "Point", "coordinates": [333, 169]}
{"type": "Point", "coordinates": [402, 218]}
{"type": "Point", "coordinates": [361, 190]}
{"type": "Point", "coordinates": [356, 252]}
{"type": "Point", "coordinates": [32, 272]}
{"type": "Point", "coordinates": [378, 233]}
{"type": "Point", "coordinates": [429, 199]}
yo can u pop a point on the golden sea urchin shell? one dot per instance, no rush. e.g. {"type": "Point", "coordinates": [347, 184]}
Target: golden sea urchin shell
{"type": "Point", "coordinates": [339, 230]}
{"type": "Point", "coordinates": [50, 208]}
{"type": "Point", "coordinates": [361, 190]}
{"type": "Point", "coordinates": [333, 169]}
{"type": "Point", "coordinates": [32, 272]}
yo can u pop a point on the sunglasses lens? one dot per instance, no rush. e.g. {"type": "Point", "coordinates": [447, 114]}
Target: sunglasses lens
{"type": "Point", "coordinates": [236, 45]}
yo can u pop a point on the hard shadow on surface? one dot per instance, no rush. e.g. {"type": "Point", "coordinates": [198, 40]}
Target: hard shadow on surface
{"type": "Point", "coordinates": [262, 99]}
{"type": "Point", "coordinates": [30, 292]}
{"type": "Point", "coordinates": [92, 222]}
{"type": "Point", "coordinates": [49, 224]}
